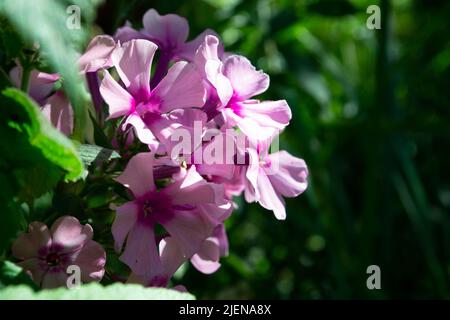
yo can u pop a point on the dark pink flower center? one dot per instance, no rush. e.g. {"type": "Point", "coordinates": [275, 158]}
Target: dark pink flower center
{"type": "Point", "coordinates": [53, 259]}
{"type": "Point", "coordinates": [155, 208]}
{"type": "Point", "coordinates": [147, 209]}
{"type": "Point", "coordinates": [234, 104]}
{"type": "Point", "coordinates": [146, 103]}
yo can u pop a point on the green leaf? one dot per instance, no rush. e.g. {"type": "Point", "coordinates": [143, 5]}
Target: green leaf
{"type": "Point", "coordinates": [30, 140]}
{"type": "Point", "coordinates": [90, 153]}
{"type": "Point", "coordinates": [95, 291]}
{"type": "Point", "coordinates": [12, 274]}
{"type": "Point", "coordinates": [99, 135]}
{"type": "Point", "coordinates": [35, 157]}
{"type": "Point", "coordinates": [11, 218]}
{"type": "Point", "coordinates": [36, 180]}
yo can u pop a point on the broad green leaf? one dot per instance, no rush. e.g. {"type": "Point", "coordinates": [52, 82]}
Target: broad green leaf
{"type": "Point", "coordinates": [37, 180]}
{"type": "Point", "coordinates": [24, 123]}
{"type": "Point", "coordinates": [100, 138]}
{"type": "Point", "coordinates": [91, 153]}
{"type": "Point", "coordinates": [11, 218]}
{"type": "Point", "coordinates": [35, 157]}
{"type": "Point", "coordinates": [12, 274]}
{"type": "Point", "coordinates": [95, 291]}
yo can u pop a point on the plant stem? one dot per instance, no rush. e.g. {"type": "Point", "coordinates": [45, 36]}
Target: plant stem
{"type": "Point", "coordinates": [25, 78]}
{"type": "Point", "coordinates": [93, 85]}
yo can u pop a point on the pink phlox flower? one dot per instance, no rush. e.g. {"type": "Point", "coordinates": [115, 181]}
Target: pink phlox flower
{"type": "Point", "coordinates": [46, 254]}
{"type": "Point", "coordinates": [176, 207]}
{"type": "Point", "coordinates": [270, 177]}
{"type": "Point", "coordinates": [214, 247]}
{"type": "Point", "coordinates": [169, 32]}
{"type": "Point", "coordinates": [144, 108]}
{"type": "Point", "coordinates": [206, 260]}
{"type": "Point", "coordinates": [55, 106]}
{"type": "Point", "coordinates": [98, 53]}
{"type": "Point", "coordinates": [236, 81]}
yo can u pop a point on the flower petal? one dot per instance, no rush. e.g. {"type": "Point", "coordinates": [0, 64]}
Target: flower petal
{"type": "Point", "coordinates": [126, 217]}
{"type": "Point", "coordinates": [193, 189]}
{"type": "Point", "coordinates": [221, 235]}
{"type": "Point", "coordinates": [59, 112]}
{"type": "Point", "coordinates": [217, 156]}
{"type": "Point", "coordinates": [91, 260]}
{"type": "Point", "coordinates": [207, 59]}
{"type": "Point", "coordinates": [141, 253]}
{"type": "Point", "coordinates": [274, 114]}
{"type": "Point", "coordinates": [138, 174]}
{"type": "Point", "coordinates": [287, 174]}
{"type": "Point", "coordinates": [189, 228]}
{"type": "Point", "coordinates": [188, 50]}
{"type": "Point", "coordinates": [127, 33]}
{"type": "Point", "coordinates": [252, 130]}
{"type": "Point", "coordinates": [181, 88]}
{"type": "Point", "coordinates": [40, 84]}
{"type": "Point", "coordinates": [163, 128]}
{"type": "Point", "coordinates": [70, 234]}
{"type": "Point", "coordinates": [218, 80]}
{"type": "Point", "coordinates": [54, 279]}
{"type": "Point", "coordinates": [216, 213]}
{"type": "Point", "coordinates": [34, 268]}
{"type": "Point", "coordinates": [188, 129]}
{"type": "Point", "coordinates": [27, 245]}
{"type": "Point", "coordinates": [98, 54]}
{"type": "Point", "coordinates": [143, 133]}
{"type": "Point", "coordinates": [133, 62]}
{"type": "Point", "coordinates": [245, 79]}
{"type": "Point", "coordinates": [168, 31]}
{"type": "Point", "coordinates": [269, 198]}
{"type": "Point", "coordinates": [207, 259]}
{"type": "Point", "coordinates": [171, 256]}
{"type": "Point", "coordinates": [208, 49]}
{"type": "Point", "coordinates": [120, 102]}
{"type": "Point", "coordinates": [189, 117]}
{"type": "Point", "coordinates": [251, 175]}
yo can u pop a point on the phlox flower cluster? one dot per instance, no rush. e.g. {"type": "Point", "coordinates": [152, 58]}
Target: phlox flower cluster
{"type": "Point", "coordinates": [159, 87]}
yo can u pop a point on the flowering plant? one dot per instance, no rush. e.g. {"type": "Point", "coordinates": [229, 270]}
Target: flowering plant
{"type": "Point", "coordinates": [175, 133]}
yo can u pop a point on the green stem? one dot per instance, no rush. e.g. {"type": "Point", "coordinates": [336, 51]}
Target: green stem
{"type": "Point", "coordinates": [25, 78]}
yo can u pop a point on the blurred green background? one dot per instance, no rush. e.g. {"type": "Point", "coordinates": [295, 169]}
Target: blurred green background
{"type": "Point", "coordinates": [371, 118]}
